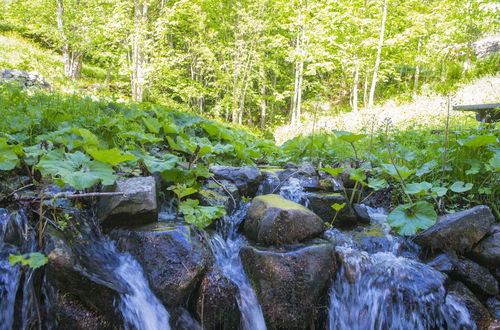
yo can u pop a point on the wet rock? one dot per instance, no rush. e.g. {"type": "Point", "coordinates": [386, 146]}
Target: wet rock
{"type": "Point", "coordinates": [478, 313]}
{"type": "Point", "coordinates": [330, 183]}
{"type": "Point", "coordinates": [321, 204]}
{"type": "Point", "coordinates": [291, 284]}
{"type": "Point", "coordinates": [475, 276]}
{"type": "Point", "coordinates": [354, 262]}
{"type": "Point", "coordinates": [493, 305]}
{"type": "Point", "coordinates": [13, 227]}
{"type": "Point", "coordinates": [216, 305]}
{"type": "Point", "coordinates": [137, 206]}
{"type": "Point", "coordinates": [271, 220]}
{"type": "Point", "coordinates": [361, 211]}
{"type": "Point", "coordinates": [172, 255]}
{"type": "Point", "coordinates": [65, 273]}
{"type": "Point", "coordinates": [306, 175]}
{"type": "Point", "coordinates": [270, 183]}
{"type": "Point", "coordinates": [458, 231]}
{"type": "Point", "coordinates": [443, 263]}
{"type": "Point", "coordinates": [212, 194]}
{"type": "Point", "coordinates": [487, 251]}
{"type": "Point", "coordinates": [65, 311]}
{"type": "Point", "coordinates": [246, 178]}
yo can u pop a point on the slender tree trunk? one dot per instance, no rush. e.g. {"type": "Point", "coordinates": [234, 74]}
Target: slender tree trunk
{"type": "Point", "coordinates": [138, 70]}
{"type": "Point", "coordinates": [72, 58]}
{"type": "Point", "coordinates": [299, 75]}
{"type": "Point", "coordinates": [355, 88]}
{"type": "Point", "coordinates": [417, 71]}
{"type": "Point", "coordinates": [379, 53]}
{"type": "Point", "coordinates": [365, 87]}
{"type": "Point", "coordinates": [263, 107]}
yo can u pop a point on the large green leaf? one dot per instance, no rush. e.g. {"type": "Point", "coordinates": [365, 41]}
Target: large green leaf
{"type": "Point", "coordinates": [479, 141]}
{"type": "Point", "coordinates": [403, 171]}
{"type": "Point", "coordinates": [419, 189]}
{"type": "Point", "coordinates": [408, 219]}
{"type": "Point", "coordinates": [333, 171]}
{"type": "Point", "coordinates": [200, 216]}
{"type": "Point", "coordinates": [33, 260]}
{"type": "Point", "coordinates": [75, 169]}
{"type": "Point", "coordinates": [8, 158]}
{"type": "Point", "coordinates": [348, 136]}
{"type": "Point", "coordinates": [377, 183]}
{"type": "Point", "coordinates": [460, 187]}
{"type": "Point", "coordinates": [109, 156]}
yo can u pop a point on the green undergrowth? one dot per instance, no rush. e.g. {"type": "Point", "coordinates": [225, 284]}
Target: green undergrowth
{"type": "Point", "coordinates": [83, 143]}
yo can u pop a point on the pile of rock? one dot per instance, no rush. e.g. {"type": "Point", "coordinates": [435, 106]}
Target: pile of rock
{"type": "Point", "coordinates": [466, 246]}
{"type": "Point", "coordinates": [289, 267]}
{"type": "Point", "coordinates": [25, 79]}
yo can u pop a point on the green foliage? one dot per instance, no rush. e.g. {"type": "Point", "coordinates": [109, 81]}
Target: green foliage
{"type": "Point", "coordinates": [200, 216]}
{"type": "Point", "coordinates": [32, 260]}
{"type": "Point", "coordinates": [408, 219]}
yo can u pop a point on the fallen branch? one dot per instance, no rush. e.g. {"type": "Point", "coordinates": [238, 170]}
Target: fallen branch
{"type": "Point", "coordinates": [16, 191]}
{"type": "Point", "coordinates": [226, 190]}
{"type": "Point", "coordinates": [65, 195]}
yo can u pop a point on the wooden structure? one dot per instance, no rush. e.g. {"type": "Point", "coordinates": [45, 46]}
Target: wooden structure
{"type": "Point", "coordinates": [485, 113]}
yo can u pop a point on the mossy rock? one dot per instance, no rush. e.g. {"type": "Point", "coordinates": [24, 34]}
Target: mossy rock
{"type": "Point", "coordinates": [273, 220]}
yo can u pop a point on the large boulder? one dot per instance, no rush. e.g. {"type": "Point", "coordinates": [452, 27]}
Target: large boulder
{"type": "Point", "coordinates": [354, 263]}
{"type": "Point", "coordinates": [290, 285]}
{"type": "Point", "coordinates": [173, 257]}
{"type": "Point", "coordinates": [137, 206]}
{"type": "Point", "coordinates": [487, 252]}
{"type": "Point", "coordinates": [271, 220]}
{"type": "Point", "coordinates": [216, 305]}
{"type": "Point", "coordinates": [458, 231]}
{"type": "Point", "coordinates": [246, 178]}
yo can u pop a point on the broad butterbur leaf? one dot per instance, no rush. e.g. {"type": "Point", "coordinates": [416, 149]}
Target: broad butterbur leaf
{"type": "Point", "coordinates": [333, 171]}
{"type": "Point", "coordinates": [460, 187]}
{"type": "Point", "coordinates": [419, 189]}
{"type": "Point", "coordinates": [200, 216]}
{"type": "Point", "coordinates": [408, 219]}
{"type": "Point", "coordinates": [33, 259]}
{"type": "Point", "coordinates": [75, 169]}
{"type": "Point", "coordinates": [110, 156]}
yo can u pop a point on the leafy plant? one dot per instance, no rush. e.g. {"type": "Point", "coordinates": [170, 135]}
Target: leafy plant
{"type": "Point", "coordinates": [408, 219]}
{"type": "Point", "coordinates": [32, 260]}
{"type": "Point", "coordinates": [200, 216]}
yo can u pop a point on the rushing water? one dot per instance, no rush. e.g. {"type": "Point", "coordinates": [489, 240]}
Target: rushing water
{"type": "Point", "coordinates": [226, 244]}
{"type": "Point", "coordinates": [293, 191]}
{"type": "Point", "coordinates": [383, 290]}
{"type": "Point", "coordinates": [140, 308]}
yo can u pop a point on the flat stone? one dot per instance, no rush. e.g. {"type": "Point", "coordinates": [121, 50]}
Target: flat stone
{"type": "Point", "coordinates": [458, 231]}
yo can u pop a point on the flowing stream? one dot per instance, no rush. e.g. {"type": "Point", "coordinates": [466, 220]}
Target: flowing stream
{"type": "Point", "coordinates": [226, 244]}
{"type": "Point", "coordinates": [383, 290]}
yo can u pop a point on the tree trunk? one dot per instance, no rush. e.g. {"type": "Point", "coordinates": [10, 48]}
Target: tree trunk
{"type": "Point", "coordinates": [72, 58]}
{"type": "Point", "coordinates": [417, 71]}
{"type": "Point", "coordinates": [299, 76]}
{"type": "Point", "coordinates": [263, 107]}
{"type": "Point", "coordinates": [355, 88]}
{"type": "Point", "coordinates": [379, 53]}
{"type": "Point", "coordinates": [365, 87]}
{"type": "Point", "coordinates": [138, 63]}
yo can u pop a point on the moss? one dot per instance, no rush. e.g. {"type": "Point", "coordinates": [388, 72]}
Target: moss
{"type": "Point", "coordinates": [374, 231]}
{"type": "Point", "coordinates": [214, 198]}
{"type": "Point", "coordinates": [273, 200]}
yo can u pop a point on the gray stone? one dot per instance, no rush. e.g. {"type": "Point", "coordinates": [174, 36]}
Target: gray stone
{"type": "Point", "coordinates": [443, 263]}
{"type": "Point", "coordinates": [172, 255]}
{"type": "Point", "coordinates": [216, 305]}
{"type": "Point", "coordinates": [271, 220]}
{"type": "Point", "coordinates": [487, 251]}
{"type": "Point", "coordinates": [137, 206]}
{"type": "Point", "coordinates": [354, 263]}
{"type": "Point", "coordinates": [290, 285]}
{"type": "Point", "coordinates": [475, 276]}
{"type": "Point", "coordinates": [486, 46]}
{"type": "Point", "coordinates": [458, 231]}
{"type": "Point", "coordinates": [246, 178]}
{"type": "Point", "coordinates": [493, 305]}
{"type": "Point", "coordinates": [306, 174]}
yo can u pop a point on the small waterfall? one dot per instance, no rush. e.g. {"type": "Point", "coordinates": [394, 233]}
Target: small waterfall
{"type": "Point", "coordinates": [226, 244]}
{"type": "Point", "coordinates": [293, 191]}
{"type": "Point", "coordinates": [140, 308]}
{"type": "Point", "coordinates": [9, 283]}
{"type": "Point", "coordinates": [389, 291]}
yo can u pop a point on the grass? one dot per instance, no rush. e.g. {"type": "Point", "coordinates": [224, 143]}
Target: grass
{"type": "Point", "coordinates": [18, 52]}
